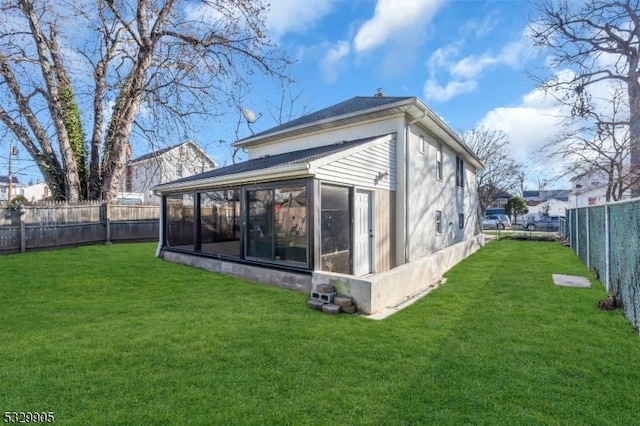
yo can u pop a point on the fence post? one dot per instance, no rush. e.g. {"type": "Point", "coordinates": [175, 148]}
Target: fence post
{"type": "Point", "coordinates": [577, 235]}
{"type": "Point", "coordinates": [107, 218]}
{"type": "Point", "coordinates": [607, 248]}
{"type": "Point", "coordinates": [23, 230]}
{"type": "Point", "coordinates": [588, 240]}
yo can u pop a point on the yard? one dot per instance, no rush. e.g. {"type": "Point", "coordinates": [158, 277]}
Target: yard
{"type": "Point", "coordinates": [111, 335]}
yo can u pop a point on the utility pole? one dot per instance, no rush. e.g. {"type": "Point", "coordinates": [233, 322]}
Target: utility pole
{"type": "Point", "coordinates": [13, 150]}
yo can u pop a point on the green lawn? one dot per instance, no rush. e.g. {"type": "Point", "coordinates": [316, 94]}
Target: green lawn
{"type": "Point", "coordinates": [112, 335]}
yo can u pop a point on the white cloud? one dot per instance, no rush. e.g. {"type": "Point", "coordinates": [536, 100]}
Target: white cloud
{"type": "Point", "coordinates": [393, 20]}
{"type": "Point", "coordinates": [436, 92]}
{"type": "Point", "coordinates": [331, 63]}
{"type": "Point", "coordinates": [295, 16]}
{"type": "Point", "coordinates": [513, 55]}
{"type": "Point", "coordinates": [529, 125]}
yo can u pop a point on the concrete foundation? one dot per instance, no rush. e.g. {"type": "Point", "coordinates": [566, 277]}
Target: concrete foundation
{"type": "Point", "coordinates": [388, 289]}
{"type": "Point", "coordinates": [274, 277]}
{"type": "Point", "coordinates": [371, 294]}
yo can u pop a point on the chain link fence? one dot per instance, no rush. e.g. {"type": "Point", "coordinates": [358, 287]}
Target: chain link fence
{"type": "Point", "coordinates": [607, 240]}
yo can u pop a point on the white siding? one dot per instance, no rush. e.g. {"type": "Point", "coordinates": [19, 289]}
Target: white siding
{"type": "Point", "coordinates": [427, 195]}
{"type": "Point", "coordinates": [363, 168]}
{"type": "Point", "coordinates": [164, 168]}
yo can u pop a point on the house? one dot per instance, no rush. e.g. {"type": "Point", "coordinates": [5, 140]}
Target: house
{"type": "Point", "coordinates": [498, 202]}
{"type": "Point", "coordinates": [375, 195]}
{"type": "Point", "coordinates": [590, 188]}
{"type": "Point", "coordinates": [38, 191]}
{"type": "Point", "coordinates": [164, 165]}
{"type": "Point", "coordinates": [552, 202]}
{"type": "Point", "coordinates": [9, 191]}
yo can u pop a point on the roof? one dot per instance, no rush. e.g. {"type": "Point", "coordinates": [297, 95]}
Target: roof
{"type": "Point", "coordinates": [350, 106]}
{"type": "Point", "coordinates": [359, 109]}
{"type": "Point", "coordinates": [266, 163]}
{"type": "Point", "coordinates": [558, 194]}
{"type": "Point", "coordinates": [498, 193]}
{"type": "Point", "coordinates": [159, 152]}
{"type": "Point", "coordinates": [5, 179]}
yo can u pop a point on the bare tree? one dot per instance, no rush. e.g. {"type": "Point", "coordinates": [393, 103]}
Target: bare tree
{"type": "Point", "coordinates": [119, 68]}
{"type": "Point", "coordinates": [600, 41]}
{"type": "Point", "coordinates": [501, 172]}
{"type": "Point", "coordinates": [598, 144]}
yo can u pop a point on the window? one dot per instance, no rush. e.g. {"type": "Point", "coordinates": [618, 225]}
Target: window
{"type": "Point", "coordinates": [421, 146]}
{"type": "Point", "coordinates": [439, 161]}
{"type": "Point", "coordinates": [180, 216]}
{"type": "Point", "coordinates": [459, 172]}
{"type": "Point", "coordinates": [461, 220]}
{"type": "Point", "coordinates": [277, 224]}
{"type": "Point", "coordinates": [220, 222]}
{"type": "Point", "coordinates": [335, 226]}
{"type": "Point", "coordinates": [438, 222]}
{"type": "Point", "coordinates": [180, 171]}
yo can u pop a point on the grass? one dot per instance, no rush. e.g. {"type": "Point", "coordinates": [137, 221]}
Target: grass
{"type": "Point", "coordinates": [112, 335]}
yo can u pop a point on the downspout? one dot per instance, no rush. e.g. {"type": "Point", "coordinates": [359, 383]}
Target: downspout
{"type": "Point", "coordinates": [406, 185]}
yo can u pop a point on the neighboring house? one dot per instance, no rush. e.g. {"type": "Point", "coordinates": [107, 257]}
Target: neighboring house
{"type": "Point", "coordinates": [375, 195]}
{"type": "Point", "coordinates": [552, 207]}
{"type": "Point", "coordinates": [498, 201]}
{"type": "Point", "coordinates": [16, 188]}
{"type": "Point", "coordinates": [164, 165]}
{"type": "Point", "coordinates": [38, 191]}
{"type": "Point", "coordinates": [552, 202]}
{"type": "Point", "coordinates": [589, 189]}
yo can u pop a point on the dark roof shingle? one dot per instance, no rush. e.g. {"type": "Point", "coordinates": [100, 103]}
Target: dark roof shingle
{"type": "Point", "coordinates": [355, 104]}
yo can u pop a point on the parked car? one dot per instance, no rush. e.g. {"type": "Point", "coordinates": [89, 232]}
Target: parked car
{"type": "Point", "coordinates": [546, 223]}
{"type": "Point", "coordinates": [505, 219]}
{"type": "Point", "coordinates": [494, 221]}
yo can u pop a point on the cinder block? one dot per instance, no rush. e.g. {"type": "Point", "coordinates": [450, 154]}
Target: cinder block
{"type": "Point", "coordinates": [316, 304]}
{"type": "Point", "coordinates": [343, 300]}
{"type": "Point", "coordinates": [325, 288]}
{"type": "Point", "coordinates": [331, 309]}
{"type": "Point", "coordinates": [325, 297]}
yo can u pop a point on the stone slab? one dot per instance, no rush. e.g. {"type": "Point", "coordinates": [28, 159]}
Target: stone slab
{"type": "Point", "coordinates": [348, 309]}
{"type": "Point", "coordinates": [343, 301]}
{"type": "Point", "coordinates": [330, 308]}
{"type": "Point", "coordinates": [316, 304]}
{"type": "Point", "coordinates": [570, 281]}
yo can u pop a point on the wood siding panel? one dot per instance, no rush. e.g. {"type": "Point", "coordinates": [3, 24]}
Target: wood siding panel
{"type": "Point", "coordinates": [385, 234]}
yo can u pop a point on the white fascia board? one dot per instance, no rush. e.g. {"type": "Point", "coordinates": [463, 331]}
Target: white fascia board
{"type": "Point", "coordinates": [291, 171]}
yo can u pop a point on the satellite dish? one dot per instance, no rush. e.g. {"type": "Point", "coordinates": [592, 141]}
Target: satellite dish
{"type": "Point", "coordinates": [249, 115]}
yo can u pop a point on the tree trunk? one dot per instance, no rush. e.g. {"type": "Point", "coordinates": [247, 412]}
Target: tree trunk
{"type": "Point", "coordinates": [634, 134]}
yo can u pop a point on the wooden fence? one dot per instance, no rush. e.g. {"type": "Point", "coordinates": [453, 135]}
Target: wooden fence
{"type": "Point", "coordinates": [59, 225]}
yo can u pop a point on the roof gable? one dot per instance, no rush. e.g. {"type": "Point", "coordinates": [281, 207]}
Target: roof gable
{"type": "Point", "coordinates": [163, 151]}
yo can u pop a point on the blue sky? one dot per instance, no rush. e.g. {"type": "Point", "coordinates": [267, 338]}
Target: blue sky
{"type": "Point", "coordinates": [468, 60]}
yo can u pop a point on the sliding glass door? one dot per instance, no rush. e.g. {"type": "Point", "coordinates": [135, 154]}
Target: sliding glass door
{"type": "Point", "coordinates": [277, 226]}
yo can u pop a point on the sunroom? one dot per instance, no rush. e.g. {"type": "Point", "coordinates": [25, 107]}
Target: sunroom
{"type": "Point", "coordinates": [312, 209]}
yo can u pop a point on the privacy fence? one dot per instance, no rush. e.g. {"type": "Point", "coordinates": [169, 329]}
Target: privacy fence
{"type": "Point", "coordinates": [607, 239]}
{"type": "Point", "coordinates": [58, 225]}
